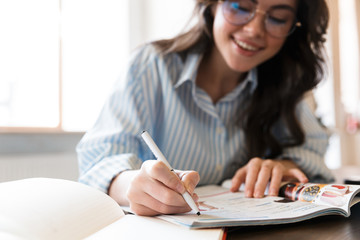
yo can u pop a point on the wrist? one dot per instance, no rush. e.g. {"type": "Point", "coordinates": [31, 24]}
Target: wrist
{"type": "Point", "coordinates": [119, 186]}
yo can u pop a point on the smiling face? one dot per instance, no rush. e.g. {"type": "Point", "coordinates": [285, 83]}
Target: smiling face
{"type": "Point", "coordinates": [244, 47]}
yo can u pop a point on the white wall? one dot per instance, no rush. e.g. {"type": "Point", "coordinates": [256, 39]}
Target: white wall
{"type": "Point", "coordinates": [24, 155]}
{"type": "Point", "coordinates": [157, 19]}
{"type": "Point", "coordinates": [27, 165]}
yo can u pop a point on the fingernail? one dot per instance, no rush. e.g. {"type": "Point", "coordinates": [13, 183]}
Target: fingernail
{"type": "Point", "coordinates": [191, 187]}
{"type": "Point", "coordinates": [258, 194]}
{"type": "Point", "coordinates": [180, 188]}
{"type": "Point", "coordinates": [272, 192]}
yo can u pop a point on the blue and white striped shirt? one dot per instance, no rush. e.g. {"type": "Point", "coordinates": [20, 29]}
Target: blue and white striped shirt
{"type": "Point", "coordinates": [159, 94]}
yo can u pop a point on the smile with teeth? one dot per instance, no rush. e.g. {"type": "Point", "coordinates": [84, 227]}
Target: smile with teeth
{"type": "Point", "coordinates": [245, 46]}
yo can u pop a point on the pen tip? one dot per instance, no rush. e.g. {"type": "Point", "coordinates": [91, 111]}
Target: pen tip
{"type": "Point", "coordinates": [198, 213]}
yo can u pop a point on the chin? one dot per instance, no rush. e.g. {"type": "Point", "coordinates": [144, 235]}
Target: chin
{"type": "Point", "coordinates": [241, 65]}
{"type": "Point", "coordinates": [241, 68]}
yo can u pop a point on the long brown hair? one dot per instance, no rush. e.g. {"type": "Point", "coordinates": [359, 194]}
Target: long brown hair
{"type": "Point", "coordinates": [282, 81]}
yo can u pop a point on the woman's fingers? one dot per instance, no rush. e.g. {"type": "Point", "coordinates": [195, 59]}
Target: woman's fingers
{"type": "Point", "coordinates": [238, 179]}
{"type": "Point", "coordinates": [276, 178]}
{"type": "Point", "coordinates": [298, 174]}
{"type": "Point", "coordinates": [157, 190]}
{"type": "Point", "coordinates": [259, 174]}
{"type": "Point", "coordinates": [252, 176]}
{"type": "Point", "coordinates": [265, 173]}
{"type": "Point", "coordinates": [146, 205]}
{"type": "Point", "coordinates": [159, 171]}
{"type": "Point", "coordinates": [190, 179]}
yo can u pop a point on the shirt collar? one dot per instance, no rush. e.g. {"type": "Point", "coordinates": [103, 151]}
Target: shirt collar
{"type": "Point", "coordinates": [190, 69]}
{"type": "Point", "coordinates": [252, 80]}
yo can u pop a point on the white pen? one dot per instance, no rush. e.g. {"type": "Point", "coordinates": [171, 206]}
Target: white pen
{"type": "Point", "coordinates": [159, 156]}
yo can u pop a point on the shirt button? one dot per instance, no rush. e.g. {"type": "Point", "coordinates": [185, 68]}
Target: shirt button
{"type": "Point", "coordinates": [219, 167]}
{"type": "Point", "coordinates": [219, 130]}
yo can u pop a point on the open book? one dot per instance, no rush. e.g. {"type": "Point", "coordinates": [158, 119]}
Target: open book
{"type": "Point", "coordinates": [44, 208]}
{"type": "Point", "coordinates": [296, 202]}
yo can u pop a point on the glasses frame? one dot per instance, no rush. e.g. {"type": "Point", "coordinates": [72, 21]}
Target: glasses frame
{"type": "Point", "coordinates": [295, 24]}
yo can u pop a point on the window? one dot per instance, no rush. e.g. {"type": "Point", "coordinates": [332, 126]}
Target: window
{"type": "Point", "coordinates": [29, 63]}
{"type": "Point", "coordinates": [95, 44]}
{"type": "Point", "coordinates": [59, 58]}
{"type": "Point", "coordinates": [339, 95]}
{"type": "Point", "coordinates": [349, 60]}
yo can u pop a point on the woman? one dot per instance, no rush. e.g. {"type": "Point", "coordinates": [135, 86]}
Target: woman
{"type": "Point", "coordinates": [223, 100]}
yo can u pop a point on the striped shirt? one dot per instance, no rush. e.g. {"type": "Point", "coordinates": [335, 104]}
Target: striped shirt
{"type": "Point", "coordinates": [158, 93]}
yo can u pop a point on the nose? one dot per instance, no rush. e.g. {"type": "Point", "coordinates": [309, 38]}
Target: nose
{"type": "Point", "coordinates": [256, 26]}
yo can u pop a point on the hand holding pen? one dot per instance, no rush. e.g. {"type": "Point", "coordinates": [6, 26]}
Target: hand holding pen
{"type": "Point", "coordinates": [154, 189]}
{"type": "Point", "coordinates": [158, 154]}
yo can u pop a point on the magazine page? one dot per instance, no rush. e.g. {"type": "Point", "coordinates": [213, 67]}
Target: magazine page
{"type": "Point", "coordinates": [335, 195]}
{"type": "Point", "coordinates": [220, 207]}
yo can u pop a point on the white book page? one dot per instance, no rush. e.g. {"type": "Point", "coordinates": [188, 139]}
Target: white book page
{"type": "Point", "coordinates": [132, 227]}
{"type": "Point", "coordinates": [43, 208]}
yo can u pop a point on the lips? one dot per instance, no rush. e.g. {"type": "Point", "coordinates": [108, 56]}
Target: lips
{"type": "Point", "coordinates": [246, 46]}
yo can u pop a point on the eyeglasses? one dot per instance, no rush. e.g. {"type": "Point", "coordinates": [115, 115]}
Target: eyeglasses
{"type": "Point", "coordinates": [280, 21]}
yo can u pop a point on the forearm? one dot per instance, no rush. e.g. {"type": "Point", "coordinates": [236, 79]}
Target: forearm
{"type": "Point", "coordinates": [119, 186]}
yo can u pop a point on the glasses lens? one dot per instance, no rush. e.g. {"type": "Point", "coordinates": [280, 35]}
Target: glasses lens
{"type": "Point", "coordinates": [238, 12]}
{"type": "Point", "coordinates": [280, 22]}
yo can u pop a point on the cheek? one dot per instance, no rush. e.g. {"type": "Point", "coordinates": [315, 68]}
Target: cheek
{"type": "Point", "coordinates": [221, 28]}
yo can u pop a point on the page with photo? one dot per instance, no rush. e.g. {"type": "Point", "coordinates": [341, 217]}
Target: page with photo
{"type": "Point", "coordinates": [337, 195]}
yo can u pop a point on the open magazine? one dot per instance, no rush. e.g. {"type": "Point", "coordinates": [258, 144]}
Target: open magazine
{"type": "Point", "coordinates": [296, 202]}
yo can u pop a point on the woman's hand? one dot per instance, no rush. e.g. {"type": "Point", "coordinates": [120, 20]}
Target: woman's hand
{"type": "Point", "coordinates": [259, 172]}
{"type": "Point", "coordinates": [154, 189]}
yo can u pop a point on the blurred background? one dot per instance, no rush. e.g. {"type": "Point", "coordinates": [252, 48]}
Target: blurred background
{"type": "Point", "coordinates": [60, 58]}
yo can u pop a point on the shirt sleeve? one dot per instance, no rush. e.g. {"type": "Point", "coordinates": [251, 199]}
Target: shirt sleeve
{"type": "Point", "coordinates": [114, 144]}
{"type": "Point", "coordinates": [310, 155]}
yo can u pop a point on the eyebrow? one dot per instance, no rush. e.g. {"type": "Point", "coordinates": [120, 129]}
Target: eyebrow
{"type": "Point", "coordinates": [283, 6]}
